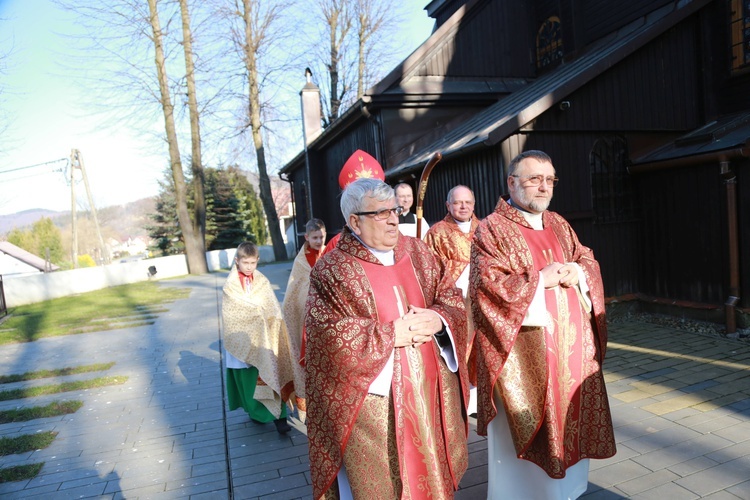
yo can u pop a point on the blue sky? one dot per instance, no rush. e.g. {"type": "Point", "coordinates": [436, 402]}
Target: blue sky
{"type": "Point", "coordinates": [45, 118]}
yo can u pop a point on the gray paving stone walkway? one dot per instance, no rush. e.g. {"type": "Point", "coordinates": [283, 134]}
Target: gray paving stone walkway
{"type": "Point", "coordinates": [681, 405]}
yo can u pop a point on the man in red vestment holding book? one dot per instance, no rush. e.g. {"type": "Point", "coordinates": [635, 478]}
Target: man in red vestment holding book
{"type": "Point", "coordinates": [539, 319]}
{"type": "Point", "coordinates": [386, 361]}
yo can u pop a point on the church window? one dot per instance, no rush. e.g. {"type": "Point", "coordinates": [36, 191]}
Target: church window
{"type": "Point", "coordinates": [612, 190]}
{"type": "Point", "coordinates": [549, 43]}
{"type": "Point", "coordinates": [739, 28]}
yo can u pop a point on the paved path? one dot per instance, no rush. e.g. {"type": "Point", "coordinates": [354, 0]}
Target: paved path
{"type": "Point", "coordinates": [681, 404]}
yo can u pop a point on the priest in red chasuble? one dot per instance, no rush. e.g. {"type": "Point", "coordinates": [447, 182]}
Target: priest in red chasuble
{"type": "Point", "coordinates": [538, 310]}
{"type": "Point", "coordinates": [386, 361]}
{"type": "Point", "coordinates": [450, 242]}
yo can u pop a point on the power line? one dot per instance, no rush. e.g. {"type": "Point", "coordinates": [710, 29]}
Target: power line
{"type": "Point", "coordinates": [33, 166]}
{"type": "Point", "coordinates": [38, 174]}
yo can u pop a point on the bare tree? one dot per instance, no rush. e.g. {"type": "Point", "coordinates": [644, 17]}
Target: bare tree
{"type": "Point", "coordinates": [372, 18]}
{"type": "Point", "coordinates": [127, 38]}
{"type": "Point", "coordinates": [195, 251]}
{"type": "Point", "coordinates": [356, 45]}
{"type": "Point", "coordinates": [257, 21]}
{"type": "Point", "coordinates": [338, 20]}
{"type": "Point", "coordinates": [196, 162]}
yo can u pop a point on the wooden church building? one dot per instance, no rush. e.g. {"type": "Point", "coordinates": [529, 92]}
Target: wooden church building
{"type": "Point", "coordinates": [644, 107]}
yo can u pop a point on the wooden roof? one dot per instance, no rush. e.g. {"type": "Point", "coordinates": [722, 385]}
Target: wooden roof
{"type": "Point", "coordinates": [499, 121]}
{"type": "Point", "coordinates": [725, 138]}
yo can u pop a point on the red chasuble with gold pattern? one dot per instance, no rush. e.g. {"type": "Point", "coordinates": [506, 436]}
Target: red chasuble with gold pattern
{"type": "Point", "coordinates": [451, 246]}
{"type": "Point", "coordinates": [549, 377]}
{"type": "Point", "coordinates": [352, 304]}
{"type": "Point", "coordinates": [452, 249]}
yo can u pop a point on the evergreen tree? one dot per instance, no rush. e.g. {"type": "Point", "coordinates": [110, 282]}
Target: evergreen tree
{"type": "Point", "coordinates": [250, 207]}
{"type": "Point", "coordinates": [226, 228]}
{"type": "Point", "coordinates": [234, 213]}
{"type": "Point", "coordinates": [165, 230]}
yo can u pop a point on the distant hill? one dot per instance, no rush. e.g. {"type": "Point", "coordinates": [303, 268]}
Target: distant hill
{"type": "Point", "coordinates": [25, 219]}
{"type": "Point", "coordinates": [118, 221]}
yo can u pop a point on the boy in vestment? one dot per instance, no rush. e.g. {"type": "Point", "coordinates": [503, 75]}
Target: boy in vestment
{"type": "Point", "coordinates": [294, 304]}
{"type": "Point", "coordinates": [260, 376]}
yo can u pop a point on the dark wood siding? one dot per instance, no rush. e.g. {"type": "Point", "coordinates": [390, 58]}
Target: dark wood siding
{"type": "Point", "coordinates": [471, 54]}
{"type": "Point", "coordinates": [735, 94]}
{"type": "Point", "coordinates": [657, 88]}
{"type": "Point", "coordinates": [482, 172]}
{"type": "Point", "coordinates": [684, 235]}
{"type": "Point", "coordinates": [602, 17]}
{"type": "Point", "coordinates": [743, 211]}
{"type": "Point", "coordinates": [672, 244]}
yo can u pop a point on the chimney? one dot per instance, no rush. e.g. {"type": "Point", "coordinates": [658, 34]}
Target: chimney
{"type": "Point", "coordinates": [311, 117]}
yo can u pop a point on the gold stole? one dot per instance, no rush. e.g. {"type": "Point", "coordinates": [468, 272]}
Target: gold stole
{"type": "Point", "coordinates": [564, 350]}
{"type": "Point", "coordinates": [416, 385]}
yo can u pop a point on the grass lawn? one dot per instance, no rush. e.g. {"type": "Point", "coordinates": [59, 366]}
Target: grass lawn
{"type": "Point", "coordinates": [123, 306]}
{"type": "Point", "coordinates": [78, 385]}
{"type": "Point", "coordinates": [59, 372]}
{"type": "Point", "coordinates": [20, 472]}
{"type": "Point", "coordinates": [51, 410]}
{"type": "Point", "coordinates": [26, 442]}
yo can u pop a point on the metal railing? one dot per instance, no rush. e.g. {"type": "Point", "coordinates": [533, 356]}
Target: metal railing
{"type": "Point", "coordinates": [3, 306]}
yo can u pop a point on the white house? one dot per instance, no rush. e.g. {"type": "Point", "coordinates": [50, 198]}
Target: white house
{"type": "Point", "coordinates": [15, 261]}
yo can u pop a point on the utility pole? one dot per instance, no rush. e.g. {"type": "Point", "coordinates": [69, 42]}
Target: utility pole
{"type": "Point", "coordinates": [74, 249]}
{"type": "Point", "coordinates": [78, 163]}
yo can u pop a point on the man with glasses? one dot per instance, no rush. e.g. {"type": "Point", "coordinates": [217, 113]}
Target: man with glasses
{"type": "Point", "coordinates": [450, 242]}
{"type": "Point", "coordinates": [360, 165]}
{"type": "Point", "coordinates": [386, 370]}
{"type": "Point", "coordinates": [538, 310]}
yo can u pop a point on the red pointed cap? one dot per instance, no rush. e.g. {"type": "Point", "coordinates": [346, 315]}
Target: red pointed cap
{"type": "Point", "coordinates": [360, 165]}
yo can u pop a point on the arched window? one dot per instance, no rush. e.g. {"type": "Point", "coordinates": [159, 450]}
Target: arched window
{"type": "Point", "coordinates": [612, 193]}
{"type": "Point", "coordinates": [739, 27]}
{"type": "Point", "coordinates": [549, 43]}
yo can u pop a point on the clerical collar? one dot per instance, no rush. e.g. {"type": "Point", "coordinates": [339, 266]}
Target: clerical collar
{"type": "Point", "coordinates": [385, 257]}
{"type": "Point", "coordinates": [464, 226]}
{"type": "Point", "coordinates": [534, 220]}
{"type": "Point", "coordinates": [407, 218]}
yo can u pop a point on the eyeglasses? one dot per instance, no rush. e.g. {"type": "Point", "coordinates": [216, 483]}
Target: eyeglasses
{"type": "Point", "coordinates": [382, 214]}
{"type": "Point", "coordinates": [535, 180]}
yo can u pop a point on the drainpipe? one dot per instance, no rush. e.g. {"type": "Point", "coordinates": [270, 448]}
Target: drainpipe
{"type": "Point", "coordinates": [311, 127]}
{"type": "Point", "coordinates": [294, 211]}
{"type": "Point", "coordinates": [730, 180]}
